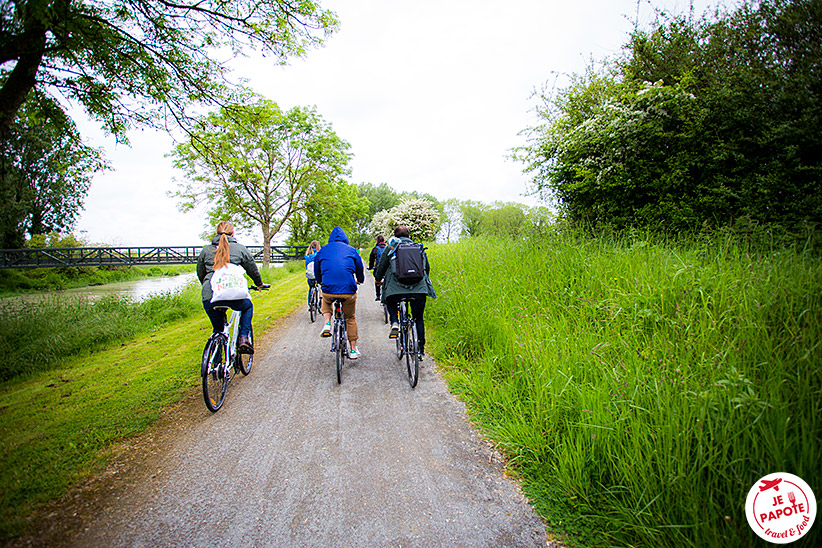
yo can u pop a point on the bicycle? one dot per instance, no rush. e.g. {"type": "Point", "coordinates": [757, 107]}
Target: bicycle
{"type": "Point", "coordinates": [384, 307]}
{"type": "Point", "coordinates": [339, 338]}
{"type": "Point", "coordinates": [314, 302]}
{"type": "Point", "coordinates": [407, 342]}
{"type": "Point", "coordinates": [220, 358]}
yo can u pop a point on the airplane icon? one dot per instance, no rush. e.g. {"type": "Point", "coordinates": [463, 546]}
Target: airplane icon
{"type": "Point", "coordinates": [767, 484]}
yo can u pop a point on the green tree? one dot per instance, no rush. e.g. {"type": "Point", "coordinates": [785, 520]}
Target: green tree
{"type": "Point", "coordinates": [506, 220]}
{"type": "Point", "coordinates": [45, 173]}
{"type": "Point", "coordinates": [473, 217]}
{"type": "Point", "coordinates": [380, 198]}
{"type": "Point", "coordinates": [333, 203]}
{"type": "Point", "coordinates": [258, 166]}
{"type": "Point", "coordinates": [499, 219]}
{"type": "Point", "coordinates": [142, 61]}
{"type": "Point", "coordinates": [451, 226]}
{"type": "Point", "coordinates": [55, 240]}
{"type": "Point", "coordinates": [702, 121]}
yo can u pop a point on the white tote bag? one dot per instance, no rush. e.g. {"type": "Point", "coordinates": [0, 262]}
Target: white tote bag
{"type": "Point", "coordinates": [228, 284]}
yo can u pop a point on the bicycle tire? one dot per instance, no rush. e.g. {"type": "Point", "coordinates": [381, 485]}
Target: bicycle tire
{"type": "Point", "coordinates": [245, 361]}
{"type": "Point", "coordinates": [215, 375]}
{"type": "Point", "coordinates": [385, 312]}
{"type": "Point", "coordinates": [312, 304]}
{"type": "Point", "coordinates": [340, 349]}
{"type": "Point", "coordinates": [412, 357]}
{"type": "Point", "coordinates": [402, 316]}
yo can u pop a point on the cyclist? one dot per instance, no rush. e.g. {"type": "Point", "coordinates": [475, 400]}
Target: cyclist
{"type": "Point", "coordinates": [339, 268]}
{"type": "Point", "coordinates": [374, 259]}
{"type": "Point", "coordinates": [224, 249]}
{"type": "Point", "coordinates": [310, 253]}
{"type": "Point", "coordinates": [393, 290]}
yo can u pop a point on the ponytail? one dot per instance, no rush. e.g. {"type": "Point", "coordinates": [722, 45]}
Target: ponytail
{"type": "Point", "coordinates": [223, 257]}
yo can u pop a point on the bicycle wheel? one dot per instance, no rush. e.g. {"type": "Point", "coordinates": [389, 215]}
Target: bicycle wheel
{"type": "Point", "coordinates": [214, 373]}
{"type": "Point", "coordinates": [312, 304]}
{"type": "Point", "coordinates": [245, 361]}
{"type": "Point", "coordinates": [398, 340]}
{"type": "Point", "coordinates": [401, 335]}
{"type": "Point", "coordinates": [385, 312]}
{"type": "Point", "coordinates": [412, 357]}
{"type": "Point", "coordinates": [339, 337]}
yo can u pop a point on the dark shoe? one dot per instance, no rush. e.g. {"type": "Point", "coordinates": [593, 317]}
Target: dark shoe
{"type": "Point", "coordinates": [245, 346]}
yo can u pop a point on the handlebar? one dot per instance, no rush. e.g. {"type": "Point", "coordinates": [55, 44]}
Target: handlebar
{"type": "Point", "coordinates": [264, 287]}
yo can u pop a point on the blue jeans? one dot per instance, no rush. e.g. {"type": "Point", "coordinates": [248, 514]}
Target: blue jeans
{"type": "Point", "coordinates": [218, 317]}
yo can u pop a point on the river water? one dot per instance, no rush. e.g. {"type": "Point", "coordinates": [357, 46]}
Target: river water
{"type": "Point", "coordinates": [136, 290]}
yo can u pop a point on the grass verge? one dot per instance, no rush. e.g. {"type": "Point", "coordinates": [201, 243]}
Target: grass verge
{"type": "Point", "coordinates": [58, 426]}
{"type": "Point", "coordinates": [640, 389]}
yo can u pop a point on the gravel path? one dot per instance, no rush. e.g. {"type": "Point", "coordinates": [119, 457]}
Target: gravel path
{"type": "Point", "coordinates": [294, 459]}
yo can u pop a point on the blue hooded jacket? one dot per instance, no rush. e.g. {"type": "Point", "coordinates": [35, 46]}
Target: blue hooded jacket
{"type": "Point", "coordinates": [338, 264]}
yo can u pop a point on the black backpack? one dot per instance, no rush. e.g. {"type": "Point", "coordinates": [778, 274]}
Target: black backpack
{"type": "Point", "coordinates": [409, 263]}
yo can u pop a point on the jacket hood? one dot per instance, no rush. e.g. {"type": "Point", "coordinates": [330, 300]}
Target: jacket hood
{"type": "Point", "coordinates": [338, 235]}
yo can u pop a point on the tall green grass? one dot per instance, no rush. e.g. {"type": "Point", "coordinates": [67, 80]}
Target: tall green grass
{"type": "Point", "coordinates": [640, 388]}
{"type": "Point", "coordinates": [36, 336]}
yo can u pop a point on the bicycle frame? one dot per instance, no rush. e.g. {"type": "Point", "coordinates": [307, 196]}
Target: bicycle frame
{"type": "Point", "coordinates": [231, 332]}
{"type": "Point", "coordinates": [229, 335]}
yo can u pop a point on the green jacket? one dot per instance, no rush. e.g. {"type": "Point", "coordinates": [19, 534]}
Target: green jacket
{"type": "Point", "coordinates": [391, 286]}
{"type": "Point", "coordinates": [237, 253]}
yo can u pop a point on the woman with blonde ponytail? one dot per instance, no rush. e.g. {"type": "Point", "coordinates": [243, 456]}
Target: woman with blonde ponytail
{"type": "Point", "coordinates": [225, 249]}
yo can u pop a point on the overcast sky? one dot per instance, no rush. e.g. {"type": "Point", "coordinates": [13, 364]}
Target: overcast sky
{"type": "Point", "coordinates": [430, 94]}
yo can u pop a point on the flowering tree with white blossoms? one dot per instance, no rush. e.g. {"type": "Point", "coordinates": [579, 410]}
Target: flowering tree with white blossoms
{"type": "Point", "coordinates": [420, 216]}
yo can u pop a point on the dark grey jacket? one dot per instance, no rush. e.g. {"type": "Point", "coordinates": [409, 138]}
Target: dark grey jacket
{"type": "Point", "coordinates": [385, 272]}
{"type": "Point", "coordinates": [238, 254]}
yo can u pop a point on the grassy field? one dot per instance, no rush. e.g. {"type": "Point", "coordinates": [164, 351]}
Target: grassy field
{"type": "Point", "coordinates": [61, 416]}
{"type": "Point", "coordinates": [640, 388]}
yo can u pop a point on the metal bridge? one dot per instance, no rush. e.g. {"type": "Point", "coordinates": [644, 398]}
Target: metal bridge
{"type": "Point", "coordinates": [126, 256]}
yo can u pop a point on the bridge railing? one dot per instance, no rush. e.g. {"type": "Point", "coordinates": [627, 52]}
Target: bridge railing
{"type": "Point", "coordinates": [125, 256]}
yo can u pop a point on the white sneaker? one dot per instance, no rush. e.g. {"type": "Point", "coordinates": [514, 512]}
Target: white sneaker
{"type": "Point", "coordinates": [395, 331]}
{"type": "Point", "coordinates": [326, 332]}
{"type": "Point", "coordinates": [353, 354]}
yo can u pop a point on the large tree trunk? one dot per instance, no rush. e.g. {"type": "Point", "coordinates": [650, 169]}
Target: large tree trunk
{"type": "Point", "coordinates": [23, 77]}
{"type": "Point", "coordinates": [267, 235]}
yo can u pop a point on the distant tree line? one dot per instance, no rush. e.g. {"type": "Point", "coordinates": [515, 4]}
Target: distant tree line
{"type": "Point", "coordinates": [699, 122]}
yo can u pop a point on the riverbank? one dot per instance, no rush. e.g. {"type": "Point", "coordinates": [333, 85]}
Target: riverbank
{"type": "Point", "coordinates": [34, 280]}
{"type": "Point", "coordinates": [59, 426]}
